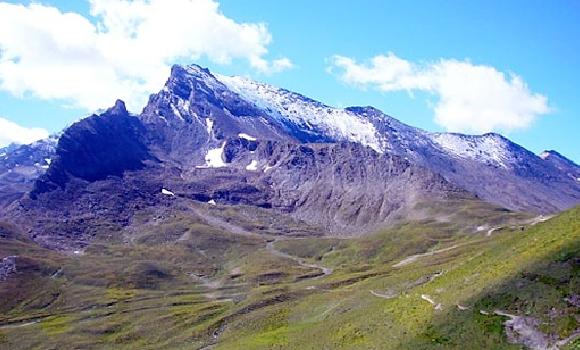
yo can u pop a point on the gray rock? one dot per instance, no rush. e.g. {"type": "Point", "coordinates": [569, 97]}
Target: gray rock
{"type": "Point", "coordinates": [7, 267]}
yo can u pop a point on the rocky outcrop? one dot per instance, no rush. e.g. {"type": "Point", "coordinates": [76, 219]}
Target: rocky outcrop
{"type": "Point", "coordinates": [95, 148]}
{"type": "Point", "coordinates": [7, 267]}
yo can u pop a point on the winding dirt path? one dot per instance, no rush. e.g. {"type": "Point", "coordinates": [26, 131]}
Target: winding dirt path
{"type": "Point", "coordinates": [427, 298]}
{"type": "Point", "coordinates": [530, 222]}
{"type": "Point", "coordinates": [325, 270]}
{"type": "Point", "coordinates": [388, 295]}
{"type": "Point", "coordinates": [18, 324]}
{"type": "Point", "coordinates": [411, 259]}
{"type": "Point", "coordinates": [219, 222]}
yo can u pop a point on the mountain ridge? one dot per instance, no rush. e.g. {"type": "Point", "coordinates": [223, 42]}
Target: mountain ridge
{"type": "Point", "coordinates": [309, 121]}
{"type": "Point", "coordinates": [232, 141]}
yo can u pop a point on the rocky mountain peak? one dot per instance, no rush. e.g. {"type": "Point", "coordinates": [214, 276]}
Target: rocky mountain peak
{"type": "Point", "coordinates": [118, 109]}
{"type": "Point", "coordinates": [97, 147]}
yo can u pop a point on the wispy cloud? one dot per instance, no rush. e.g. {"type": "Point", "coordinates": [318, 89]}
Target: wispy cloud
{"type": "Point", "coordinates": [471, 98]}
{"type": "Point", "coordinates": [11, 132]}
{"type": "Point", "coordinates": [123, 50]}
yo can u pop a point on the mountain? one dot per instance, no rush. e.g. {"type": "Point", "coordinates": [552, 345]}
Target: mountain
{"type": "Point", "coordinates": [489, 165]}
{"type": "Point", "coordinates": [232, 141]}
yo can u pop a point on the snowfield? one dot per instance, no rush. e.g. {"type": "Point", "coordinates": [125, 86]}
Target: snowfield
{"type": "Point", "coordinates": [284, 105]}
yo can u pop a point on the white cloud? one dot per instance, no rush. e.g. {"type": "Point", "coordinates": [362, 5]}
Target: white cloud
{"type": "Point", "coordinates": [276, 66]}
{"type": "Point", "coordinates": [13, 133]}
{"type": "Point", "coordinates": [471, 98]}
{"type": "Point", "coordinates": [122, 50]}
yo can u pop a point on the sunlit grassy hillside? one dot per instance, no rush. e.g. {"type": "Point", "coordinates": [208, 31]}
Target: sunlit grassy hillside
{"type": "Point", "coordinates": [182, 283]}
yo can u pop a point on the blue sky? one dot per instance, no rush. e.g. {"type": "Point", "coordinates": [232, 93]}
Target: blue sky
{"type": "Point", "coordinates": [535, 40]}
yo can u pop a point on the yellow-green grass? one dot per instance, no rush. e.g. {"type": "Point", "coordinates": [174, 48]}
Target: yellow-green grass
{"type": "Point", "coordinates": [181, 284]}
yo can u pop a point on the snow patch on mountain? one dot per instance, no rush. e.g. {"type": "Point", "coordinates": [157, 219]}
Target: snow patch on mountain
{"type": "Point", "coordinates": [253, 166]}
{"type": "Point", "coordinates": [545, 155]}
{"type": "Point", "coordinates": [209, 125]}
{"type": "Point", "coordinates": [246, 136]}
{"type": "Point", "coordinates": [488, 148]}
{"type": "Point", "coordinates": [203, 75]}
{"type": "Point", "coordinates": [214, 157]}
{"type": "Point", "coordinates": [167, 192]}
{"type": "Point", "coordinates": [176, 112]}
{"type": "Point", "coordinates": [283, 105]}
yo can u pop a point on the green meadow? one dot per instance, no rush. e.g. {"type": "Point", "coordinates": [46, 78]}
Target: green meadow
{"type": "Point", "coordinates": [182, 283]}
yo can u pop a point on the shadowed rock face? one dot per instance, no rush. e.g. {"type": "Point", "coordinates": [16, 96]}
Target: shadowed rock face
{"type": "Point", "coordinates": [269, 148]}
{"type": "Point", "coordinates": [97, 147]}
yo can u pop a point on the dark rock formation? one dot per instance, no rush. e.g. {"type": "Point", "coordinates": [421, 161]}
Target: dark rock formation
{"type": "Point", "coordinates": [95, 148]}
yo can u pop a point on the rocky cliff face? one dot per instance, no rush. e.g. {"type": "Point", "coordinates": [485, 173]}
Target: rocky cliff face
{"type": "Point", "coordinates": [195, 113]}
{"type": "Point", "coordinates": [230, 141]}
{"type": "Point", "coordinates": [95, 148]}
{"type": "Point", "coordinates": [344, 186]}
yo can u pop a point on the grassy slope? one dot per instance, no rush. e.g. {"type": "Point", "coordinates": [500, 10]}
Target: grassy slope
{"type": "Point", "coordinates": [522, 272]}
{"type": "Point", "coordinates": [142, 295]}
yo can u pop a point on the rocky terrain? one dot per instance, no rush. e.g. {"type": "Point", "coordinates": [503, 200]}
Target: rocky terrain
{"type": "Point", "coordinates": [7, 267]}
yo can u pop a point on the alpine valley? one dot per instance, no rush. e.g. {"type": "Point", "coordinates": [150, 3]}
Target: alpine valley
{"type": "Point", "coordinates": [231, 214]}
